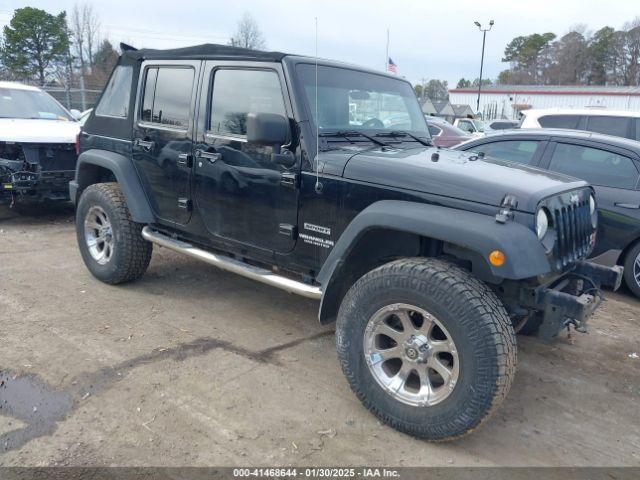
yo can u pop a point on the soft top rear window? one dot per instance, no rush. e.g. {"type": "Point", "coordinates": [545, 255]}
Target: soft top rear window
{"type": "Point", "coordinates": [116, 96]}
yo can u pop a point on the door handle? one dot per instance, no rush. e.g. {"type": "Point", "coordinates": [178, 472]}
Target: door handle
{"type": "Point", "coordinates": [211, 156]}
{"type": "Point", "coordinates": [146, 145]}
{"type": "Point", "coordinates": [633, 206]}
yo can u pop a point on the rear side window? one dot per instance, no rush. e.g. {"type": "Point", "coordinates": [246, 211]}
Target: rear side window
{"type": "Point", "coordinates": [519, 151]}
{"type": "Point", "coordinates": [617, 126]}
{"type": "Point", "coordinates": [434, 131]}
{"type": "Point", "coordinates": [116, 96]}
{"type": "Point", "coordinates": [261, 93]}
{"type": "Point", "coordinates": [466, 126]}
{"type": "Point", "coordinates": [599, 167]}
{"type": "Point", "coordinates": [560, 121]}
{"type": "Point", "coordinates": [167, 96]}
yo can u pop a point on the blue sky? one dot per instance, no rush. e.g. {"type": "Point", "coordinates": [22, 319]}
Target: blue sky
{"type": "Point", "coordinates": [430, 39]}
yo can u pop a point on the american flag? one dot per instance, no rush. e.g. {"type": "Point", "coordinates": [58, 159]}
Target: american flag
{"type": "Point", "coordinates": [392, 67]}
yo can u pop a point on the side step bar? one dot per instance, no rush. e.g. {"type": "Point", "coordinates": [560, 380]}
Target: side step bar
{"type": "Point", "coordinates": [232, 265]}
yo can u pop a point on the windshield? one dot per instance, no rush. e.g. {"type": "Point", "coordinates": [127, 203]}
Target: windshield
{"type": "Point", "coordinates": [30, 104]}
{"type": "Point", "coordinates": [355, 100]}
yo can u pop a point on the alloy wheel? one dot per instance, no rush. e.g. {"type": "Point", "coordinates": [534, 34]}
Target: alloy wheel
{"type": "Point", "coordinates": [98, 234]}
{"type": "Point", "coordinates": [411, 355]}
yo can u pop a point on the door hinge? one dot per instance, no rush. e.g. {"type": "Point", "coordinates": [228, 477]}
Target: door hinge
{"type": "Point", "coordinates": [184, 203]}
{"type": "Point", "coordinates": [289, 179]}
{"type": "Point", "coordinates": [289, 230]}
{"type": "Point", "coordinates": [185, 160]}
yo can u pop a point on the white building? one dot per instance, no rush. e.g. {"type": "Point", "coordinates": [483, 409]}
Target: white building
{"type": "Point", "coordinates": [506, 101]}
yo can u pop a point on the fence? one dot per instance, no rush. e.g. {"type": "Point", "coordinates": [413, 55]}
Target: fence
{"type": "Point", "coordinates": [80, 99]}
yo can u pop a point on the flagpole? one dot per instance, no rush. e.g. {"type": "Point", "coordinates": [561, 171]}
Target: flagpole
{"type": "Point", "coordinates": [386, 60]}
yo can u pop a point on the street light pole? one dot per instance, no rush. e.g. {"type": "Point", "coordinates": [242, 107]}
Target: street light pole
{"type": "Point", "coordinates": [484, 37]}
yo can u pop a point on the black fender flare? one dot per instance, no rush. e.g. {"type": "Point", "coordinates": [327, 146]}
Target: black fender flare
{"type": "Point", "coordinates": [469, 231]}
{"type": "Point", "coordinates": [125, 173]}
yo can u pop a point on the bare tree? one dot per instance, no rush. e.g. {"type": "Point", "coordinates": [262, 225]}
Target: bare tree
{"type": "Point", "coordinates": [91, 31]}
{"type": "Point", "coordinates": [248, 34]}
{"type": "Point", "coordinates": [85, 27]}
{"type": "Point", "coordinates": [78, 31]}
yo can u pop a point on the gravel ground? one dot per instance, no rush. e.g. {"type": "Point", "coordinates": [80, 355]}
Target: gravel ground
{"type": "Point", "coordinates": [194, 366]}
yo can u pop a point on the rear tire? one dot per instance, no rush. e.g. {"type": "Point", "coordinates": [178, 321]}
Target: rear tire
{"type": "Point", "coordinates": [632, 269]}
{"type": "Point", "coordinates": [471, 335]}
{"type": "Point", "coordinates": [110, 241]}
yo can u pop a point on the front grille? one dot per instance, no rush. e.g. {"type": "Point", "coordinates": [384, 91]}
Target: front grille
{"type": "Point", "coordinates": [573, 228]}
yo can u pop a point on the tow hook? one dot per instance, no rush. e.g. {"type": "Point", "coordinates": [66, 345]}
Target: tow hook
{"type": "Point", "coordinates": [580, 327]}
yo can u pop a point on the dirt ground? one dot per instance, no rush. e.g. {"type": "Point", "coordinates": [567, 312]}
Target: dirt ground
{"type": "Point", "coordinates": [194, 366]}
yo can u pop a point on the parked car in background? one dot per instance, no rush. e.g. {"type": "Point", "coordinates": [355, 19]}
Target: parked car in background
{"type": "Point", "coordinates": [84, 115]}
{"type": "Point", "coordinates": [611, 164]}
{"type": "Point", "coordinates": [38, 149]}
{"type": "Point", "coordinates": [470, 125]}
{"type": "Point", "coordinates": [495, 125]}
{"type": "Point", "coordinates": [444, 134]}
{"type": "Point", "coordinates": [620, 123]}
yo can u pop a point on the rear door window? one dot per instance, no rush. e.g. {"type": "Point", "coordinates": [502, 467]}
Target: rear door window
{"type": "Point", "coordinates": [519, 151]}
{"type": "Point", "coordinates": [598, 167]}
{"type": "Point", "coordinates": [560, 121]}
{"type": "Point", "coordinates": [167, 96]}
{"type": "Point", "coordinates": [609, 125]}
{"type": "Point", "coordinates": [116, 96]}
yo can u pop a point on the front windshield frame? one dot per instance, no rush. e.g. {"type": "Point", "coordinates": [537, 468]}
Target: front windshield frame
{"type": "Point", "coordinates": [42, 105]}
{"type": "Point", "coordinates": [413, 113]}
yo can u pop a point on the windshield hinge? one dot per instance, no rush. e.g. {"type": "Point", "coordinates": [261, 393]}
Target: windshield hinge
{"type": "Point", "coordinates": [508, 203]}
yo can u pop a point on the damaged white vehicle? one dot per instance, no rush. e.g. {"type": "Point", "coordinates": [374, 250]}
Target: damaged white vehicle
{"type": "Point", "coordinates": [38, 146]}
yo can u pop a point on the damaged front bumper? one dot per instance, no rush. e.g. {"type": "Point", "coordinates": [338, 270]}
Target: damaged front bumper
{"type": "Point", "coordinates": [36, 172]}
{"type": "Point", "coordinates": [569, 300]}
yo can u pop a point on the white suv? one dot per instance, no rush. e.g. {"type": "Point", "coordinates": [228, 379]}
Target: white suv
{"type": "Point", "coordinates": [38, 139]}
{"type": "Point", "coordinates": [620, 123]}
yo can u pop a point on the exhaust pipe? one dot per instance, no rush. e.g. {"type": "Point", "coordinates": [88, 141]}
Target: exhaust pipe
{"type": "Point", "coordinates": [232, 265]}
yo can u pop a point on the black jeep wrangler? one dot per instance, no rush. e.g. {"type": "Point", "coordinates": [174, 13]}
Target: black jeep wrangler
{"type": "Point", "coordinates": [320, 178]}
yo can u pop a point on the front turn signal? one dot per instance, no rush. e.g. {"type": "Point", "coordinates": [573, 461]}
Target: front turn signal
{"type": "Point", "coordinates": [497, 258]}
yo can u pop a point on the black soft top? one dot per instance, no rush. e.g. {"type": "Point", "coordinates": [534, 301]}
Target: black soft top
{"type": "Point", "coordinates": [206, 50]}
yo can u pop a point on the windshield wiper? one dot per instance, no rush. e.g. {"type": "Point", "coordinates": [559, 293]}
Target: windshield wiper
{"type": "Point", "coordinates": [354, 133]}
{"type": "Point", "coordinates": [403, 133]}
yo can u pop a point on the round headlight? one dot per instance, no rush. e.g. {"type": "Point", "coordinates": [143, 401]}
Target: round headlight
{"type": "Point", "coordinates": [542, 223]}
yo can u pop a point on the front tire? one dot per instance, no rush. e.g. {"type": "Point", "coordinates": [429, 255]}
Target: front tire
{"type": "Point", "coordinates": [110, 241]}
{"type": "Point", "coordinates": [426, 347]}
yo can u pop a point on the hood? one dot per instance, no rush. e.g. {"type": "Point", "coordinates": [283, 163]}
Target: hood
{"type": "Point", "coordinates": [38, 131]}
{"type": "Point", "coordinates": [457, 175]}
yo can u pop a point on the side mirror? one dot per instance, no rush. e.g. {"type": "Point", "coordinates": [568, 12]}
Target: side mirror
{"type": "Point", "coordinates": [268, 129]}
{"type": "Point", "coordinates": [75, 113]}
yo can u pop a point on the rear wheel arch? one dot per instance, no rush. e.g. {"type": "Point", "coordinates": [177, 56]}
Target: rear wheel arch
{"type": "Point", "coordinates": [100, 166]}
{"type": "Point", "coordinates": [89, 174]}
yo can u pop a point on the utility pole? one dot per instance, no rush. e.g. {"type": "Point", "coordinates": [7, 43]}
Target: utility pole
{"type": "Point", "coordinates": [386, 59]}
{"type": "Point", "coordinates": [484, 37]}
